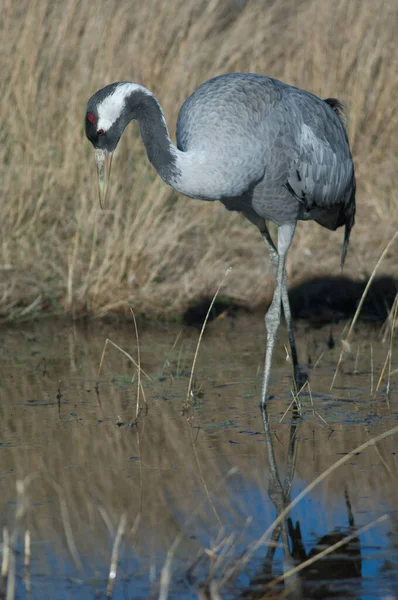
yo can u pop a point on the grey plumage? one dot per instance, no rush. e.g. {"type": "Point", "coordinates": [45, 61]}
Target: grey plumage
{"type": "Point", "coordinates": [264, 148]}
{"type": "Point", "coordinates": [279, 151]}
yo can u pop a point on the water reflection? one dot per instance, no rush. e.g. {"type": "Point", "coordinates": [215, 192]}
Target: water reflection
{"type": "Point", "coordinates": [213, 478]}
{"type": "Point", "coordinates": [330, 573]}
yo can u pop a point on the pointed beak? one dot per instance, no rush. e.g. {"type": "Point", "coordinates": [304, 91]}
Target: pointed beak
{"type": "Point", "coordinates": [103, 161]}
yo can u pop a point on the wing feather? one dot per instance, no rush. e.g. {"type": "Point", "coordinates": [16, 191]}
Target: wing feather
{"type": "Point", "coordinates": [321, 170]}
{"type": "Point", "coordinates": [320, 175]}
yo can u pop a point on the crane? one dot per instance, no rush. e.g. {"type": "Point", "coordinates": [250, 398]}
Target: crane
{"type": "Point", "coordinates": [269, 150]}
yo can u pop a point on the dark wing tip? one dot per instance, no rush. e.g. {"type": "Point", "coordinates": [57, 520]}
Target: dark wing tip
{"type": "Point", "coordinates": [338, 107]}
{"type": "Point", "coordinates": [345, 245]}
{"type": "Point", "coordinates": [349, 221]}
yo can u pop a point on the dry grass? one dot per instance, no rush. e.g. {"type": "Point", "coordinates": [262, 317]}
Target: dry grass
{"type": "Point", "coordinates": [151, 250]}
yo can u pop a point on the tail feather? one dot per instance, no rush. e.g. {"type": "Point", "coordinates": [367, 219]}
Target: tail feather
{"type": "Point", "coordinates": [347, 234]}
{"type": "Point", "coordinates": [339, 108]}
{"type": "Point", "coordinates": [347, 214]}
{"type": "Point", "coordinates": [349, 222]}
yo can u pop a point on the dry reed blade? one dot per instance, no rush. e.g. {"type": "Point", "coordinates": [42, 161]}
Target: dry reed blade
{"type": "Point", "coordinates": [381, 374]}
{"type": "Point", "coordinates": [296, 401]}
{"type": "Point", "coordinates": [202, 477]}
{"type": "Point", "coordinates": [115, 555]}
{"type": "Point", "coordinates": [6, 554]}
{"type": "Point", "coordinates": [70, 539]}
{"type": "Point", "coordinates": [107, 520]}
{"type": "Point", "coordinates": [388, 323]}
{"type": "Point", "coordinates": [27, 559]}
{"type": "Point", "coordinates": [171, 350]}
{"type": "Point", "coordinates": [371, 369]}
{"type": "Point", "coordinates": [362, 300]}
{"type": "Point", "coordinates": [139, 385]}
{"type": "Point", "coordinates": [391, 344]}
{"type": "Point", "coordinates": [325, 552]}
{"type": "Point", "coordinates": [201, 335]}
{"type": "Point", "coordinates": [108, 341]}
{"type": "Point", "coordinates": [20, 512]}
{"type": "Point", "coordinates": [27, 549]}
{"type": "Point", "coordinates": [255, 546]}
{"type": "Point", "coordinates": [165, 575]}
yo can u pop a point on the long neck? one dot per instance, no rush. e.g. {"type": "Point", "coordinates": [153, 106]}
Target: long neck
{"type": "Point", "coordinates": [185, 171]}
{"type": "Point", "coordinates": [161, 151]}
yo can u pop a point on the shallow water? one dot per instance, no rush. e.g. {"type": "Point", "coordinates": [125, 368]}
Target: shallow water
{"type": "Point", "coordinates": [205, 481]}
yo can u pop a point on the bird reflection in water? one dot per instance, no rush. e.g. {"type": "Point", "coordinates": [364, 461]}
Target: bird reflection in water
{"type": "Point", "coordinates": [325, 577]}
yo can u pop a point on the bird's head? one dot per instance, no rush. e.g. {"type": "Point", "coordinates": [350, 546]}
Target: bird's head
{"type": "Point", "coordinates": [107, 115]}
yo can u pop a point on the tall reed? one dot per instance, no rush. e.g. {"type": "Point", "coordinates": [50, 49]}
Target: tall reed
{"type": "Point", "coordinates": [150, 249]}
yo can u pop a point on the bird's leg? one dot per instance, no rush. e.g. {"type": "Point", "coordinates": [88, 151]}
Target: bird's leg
{"type": "Point", "coordinates": [272, 320]}
{"type": "Point", "coordinates": [273, 252]}
{"type": "Point", "coordinates": [299, 376]}
{"type": "Point", "coordinates": [273, 316]}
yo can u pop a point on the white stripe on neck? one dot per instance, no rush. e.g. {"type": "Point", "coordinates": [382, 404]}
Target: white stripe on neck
{"type": "Point", "coordinates": [111, 107]}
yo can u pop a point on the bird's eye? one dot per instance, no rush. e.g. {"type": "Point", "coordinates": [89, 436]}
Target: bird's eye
{"type": "Point", "coordinates": [100, 132]}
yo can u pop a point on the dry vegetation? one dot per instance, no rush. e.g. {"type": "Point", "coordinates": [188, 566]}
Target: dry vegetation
{"type": "Point", "coordinates": [150, 249]}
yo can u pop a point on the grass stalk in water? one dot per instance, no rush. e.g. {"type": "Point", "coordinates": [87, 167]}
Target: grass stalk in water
{"type": "Point", "coordinates": [345, 342]}
{"type": "Point", "coordinates": [253, 548]}
{"type": "Point", "coordinates": [201, 335]}
{"type": "Point", "coordinates": [115, 555]}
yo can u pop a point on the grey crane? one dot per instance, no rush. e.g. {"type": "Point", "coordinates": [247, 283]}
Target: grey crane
{"type": "Point", "coordinates": [263, 148]}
